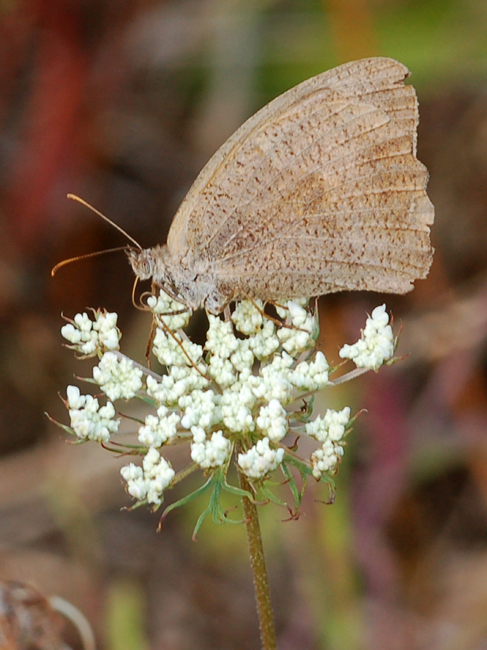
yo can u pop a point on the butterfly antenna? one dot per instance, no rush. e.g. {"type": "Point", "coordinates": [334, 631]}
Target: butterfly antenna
{"type": "Point", "coordinates": [112, 223]}
{"type": "Point", "coordinates": [84, 257]}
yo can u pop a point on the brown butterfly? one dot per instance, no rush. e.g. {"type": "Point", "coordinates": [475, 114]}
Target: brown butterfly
{"type": "Point", "coordinates": [320, 191]}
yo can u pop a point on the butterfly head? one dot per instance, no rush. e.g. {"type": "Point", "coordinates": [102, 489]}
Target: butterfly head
{"type": "Point", "coordinates": [142, 262]}
{"type": "Point", "coordinates": [155, 264]}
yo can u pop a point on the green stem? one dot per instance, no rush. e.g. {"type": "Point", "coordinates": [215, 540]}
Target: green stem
{"type": "Point", "coordinates": [257, 559]}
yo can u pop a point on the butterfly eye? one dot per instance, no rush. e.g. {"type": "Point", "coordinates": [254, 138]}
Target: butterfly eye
{"type": "Point", "coordinates": [146, 266]}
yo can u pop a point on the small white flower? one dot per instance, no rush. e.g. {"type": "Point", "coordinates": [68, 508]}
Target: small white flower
{"type": "Point", "coordinates": [243, 357]}
{"type": "Point", "coordinates": [108, 333]}
{"type": "Point", "coordinates": [88, 420]}
{"type": "Point", "coordinates": [326, 459]}
{"type": "Point", "coordinates": [160, 474]}
{"type": "Point", "coordinates": [179, 381]}
{"type": "Point", "coordinates": [265, 342]}
{"type": "Point", "coordinates": [273, 382]}
{"type": "Point", "coordinates": [75, 399]}
{"type": "Point", "coordinates": [71, 333]}
{"type": "Point", "coordinates": [92, 337]}
{"type": "Point", "coordinates": [247, 318]}
{"type": "Point", "coordinates": [209, 453]}
{"type": "Point", "coordinates": [236, 404]}
{"type": "Point", "coordinates": [222, 371]}
{"type": "Point", "coordinates": [171, 351]}
{"type": "Point", "coordinates": [284, 310]}
{"type": "Point", "coordinates": [149, 481]}
{"type": "Point", "coordinates": [260, 459]}
{"type": "Point", "coordinates": [83, 322]}
{"type": "Point", "coordinates": [159, 429]}
{"type": "Point", "coordinates": [300, 336]}
{"type": "Point", "coordinates": [167, 310]}
{"type": "Point", "coordinates": [117, 376]}
{"type": "Point", "coordinates": [330, 427]}
{"type": "Point", "coordinates": [220, 339]}
{"type": "Point", "coordinates": [131, 472]}
{"type": "Point", "coordinates": [298, 314]}
{"type": "Point", "coordinates": [201, 408]}
{"type": "Point", "coordinates": [376, 344]}
{"type": "Point", "coordinates": [272, 420]}
{"type": "Point", "coordinates": [311, 376]}
{"type": "Point", "coordinates": [137, 485]}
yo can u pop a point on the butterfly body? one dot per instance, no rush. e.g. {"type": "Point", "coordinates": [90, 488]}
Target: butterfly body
{"type": "Point", "coordinates": [320, 191]}
{"type": "Point", "coordinates": [190, 282]}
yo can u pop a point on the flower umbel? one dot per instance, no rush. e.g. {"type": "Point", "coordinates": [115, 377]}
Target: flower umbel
{"type": "Point", "coordinates": [91, 337]}
{"type": "Point", "coordinates": [376, 345]}
{"type": "Point", "coordinates": [243, 396]}
{"type": "Point", "coordinates": [88, 420]}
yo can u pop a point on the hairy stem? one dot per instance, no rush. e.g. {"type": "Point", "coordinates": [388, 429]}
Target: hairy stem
{"type": "Point", "coordinates": [257, 559]}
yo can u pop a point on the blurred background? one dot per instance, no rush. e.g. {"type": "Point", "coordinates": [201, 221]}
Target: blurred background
{"type": "Point", "coordinates": [122, 102]}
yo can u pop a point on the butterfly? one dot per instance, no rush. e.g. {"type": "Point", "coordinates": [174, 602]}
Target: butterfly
{"type": "Point", "coordinates": [320, 191]}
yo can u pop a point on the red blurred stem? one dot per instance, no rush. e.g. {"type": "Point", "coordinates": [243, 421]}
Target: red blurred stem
{"type": "Point", "coordinates": [50, 118]}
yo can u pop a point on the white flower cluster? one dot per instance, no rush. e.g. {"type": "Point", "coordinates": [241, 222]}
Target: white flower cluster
{"type": "Point", "coordinates": [272, 420]}
{"type": "Point", "coordinates": [173, 313]}
{"type": "Point", "coordinates": [159, 428]}
{"type": "Point", "coordinates": [170, 351]}
{"type": "Point", "coordinates": [117, 376]}
{"type": "Point", "coordinates": [209, 453]}
{"type": "Point", "coordinates": [311, 376]}
{"type": "Point", "coordinates": [304, 331]}
{"type": "Point", "coordinates": [90, 337]}
{"type": "Point", "coordinates": [88, 420]}
{"type": "Point", "coordinates": [224, 396]}
{"type": "Point", "coordinates": [376, 344]}
{"type": "Point", "coordinates": [329, 431]}
{"type": "Point", "coordinates": [180, 381]}
{"type": "Point", "coordinates": [147, 483]}
{"type": "Point", "coordinates": [260, 459]}
{"type": "Point", "coordinates": [247, 316]}
{"type": "Point", "coordinates": [242, 388]}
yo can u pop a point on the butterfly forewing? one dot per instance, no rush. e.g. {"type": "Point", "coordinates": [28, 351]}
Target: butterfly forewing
{"type": "Point", "coordinates": [319, 191]}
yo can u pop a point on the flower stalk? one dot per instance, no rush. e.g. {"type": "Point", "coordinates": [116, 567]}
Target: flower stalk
{"type": "Point", "coordinates": [259, 570]}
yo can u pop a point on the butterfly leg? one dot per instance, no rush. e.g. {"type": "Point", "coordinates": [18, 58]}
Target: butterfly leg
{"type": "Point", "coordinates": [150, 341]}
{"type": "Point", "coordinates": [180, 341]}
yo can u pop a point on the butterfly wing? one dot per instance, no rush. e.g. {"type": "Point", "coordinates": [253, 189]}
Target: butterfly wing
{"type": "Point", "coordinates": [319, 191]}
